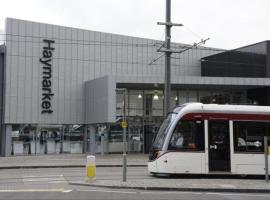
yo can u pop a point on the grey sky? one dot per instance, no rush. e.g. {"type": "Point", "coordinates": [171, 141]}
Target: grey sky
{"type": "Point", "coordinates": [228, 23]}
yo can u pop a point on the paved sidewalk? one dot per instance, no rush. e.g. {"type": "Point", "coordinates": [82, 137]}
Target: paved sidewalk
{"type": "Point", "coordinates": [181, 184]}
{"type": "Point", "coordinates": [70, 160]}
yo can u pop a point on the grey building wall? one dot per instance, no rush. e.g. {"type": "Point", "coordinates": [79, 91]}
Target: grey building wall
{"type": "Point", "coordinates": [2, 126]}
{"type": "Point", "coordinates": [100, 100]}
{"type": "Point", "coordinates": [268, 59]}
{"type": "Point", "coordinates": [2, 37]}
{"type": "Point", "coordinates": [79, 56]}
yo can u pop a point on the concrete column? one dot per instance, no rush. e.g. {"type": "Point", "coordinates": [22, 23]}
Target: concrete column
{"type": "Point", "coordinates": [106, 140]}
{"type": "Point", "coordinates": [92, 139]}
{"type": "Point", "coordinates": [61, 138]}
{"type": "Point", "coordinates": [85, 139]}
{"type": "Point", "coordinates": [102, 144]}
{"type": "Point", "coordinates": [2, 140]}
{"type": "Point", "coordinates": [6, 140]}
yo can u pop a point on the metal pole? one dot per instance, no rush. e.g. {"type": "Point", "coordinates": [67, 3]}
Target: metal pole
{"type": "Point", "coordinates": [266, 158]}
{"type": "Point", "coordinates": [167, 86]}
{"type": "Point", "coordinates": [102, 144]}
{"type": "Point", "coordinates": [35, 137]}
{"type": "Point", "coordinates": [92, 139]}
{"type": "Point", "coordinates": [124, 141]}
{"type": "Point", "coordinates": [85, 139]}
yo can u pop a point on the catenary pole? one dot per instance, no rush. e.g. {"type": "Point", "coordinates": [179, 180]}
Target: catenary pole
{"type": "Point", "coordinates": [266, 158]}
{"type": "Point", "coordinates": [124, 139]}
{"type": "Point", "coordinates": [167, 50]}
{"type": "Point", "coordinates": [167, 86]}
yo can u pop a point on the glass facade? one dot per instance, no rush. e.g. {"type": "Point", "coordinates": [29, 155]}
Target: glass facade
{"type": "Point", "coordinates": [144, 111]}
{"type": "Point", "coordinates": [249, 61]}
{"type": "Point", "coordinates": [35, 140]}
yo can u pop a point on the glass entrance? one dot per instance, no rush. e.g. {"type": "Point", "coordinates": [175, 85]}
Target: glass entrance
{"type": "Point", "coordinates": [48, 141]}
{"type": "Point", "coordinates": [53, 139]}
{"type": "Point", "coordinates": [219, 146]}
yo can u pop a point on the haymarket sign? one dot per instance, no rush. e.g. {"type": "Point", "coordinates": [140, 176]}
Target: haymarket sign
{"type": "Point", "coordinates": [46, 81]}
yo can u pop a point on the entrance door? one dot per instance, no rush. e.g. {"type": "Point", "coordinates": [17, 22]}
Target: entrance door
{"type": "Point", "coordinates": [219, 146]}
{"type": "Point", "coordinates": [150, 132]}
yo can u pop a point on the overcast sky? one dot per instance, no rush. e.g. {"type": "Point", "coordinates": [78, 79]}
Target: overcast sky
{"type": "Point", "coordinates": [228, 23]}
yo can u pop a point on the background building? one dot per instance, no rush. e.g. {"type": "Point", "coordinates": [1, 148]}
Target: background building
{"type": "Point", "coordinates": [61, 86]}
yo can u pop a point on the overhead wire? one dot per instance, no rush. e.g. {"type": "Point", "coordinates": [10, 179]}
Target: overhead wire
{"type": "Point", "coordinates": [195, 34]}
{"type": "Point", "coordinates": [89, 42]}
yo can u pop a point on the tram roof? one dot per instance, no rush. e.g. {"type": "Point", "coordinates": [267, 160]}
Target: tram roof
{"type": "Point", "coordinates": [223, 108]}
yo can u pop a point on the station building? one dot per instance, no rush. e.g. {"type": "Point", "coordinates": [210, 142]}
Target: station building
{"type": "Point", "coordinates": [63, 90]}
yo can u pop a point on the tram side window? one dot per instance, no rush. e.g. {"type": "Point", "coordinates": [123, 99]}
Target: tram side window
{"type": "Point", "coordinates": [188, 136]}
{"type": "Point", "coordinates": [248, 136]}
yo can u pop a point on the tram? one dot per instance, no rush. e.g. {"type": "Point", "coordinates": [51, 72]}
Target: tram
{"type": "Point", "coordinates": [201, 138]}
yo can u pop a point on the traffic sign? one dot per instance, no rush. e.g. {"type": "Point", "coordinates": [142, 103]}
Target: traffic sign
{"type": "Point", "coordinates": [124, 124]}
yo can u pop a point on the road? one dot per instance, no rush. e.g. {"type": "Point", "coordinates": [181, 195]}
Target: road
{"type": "Point", "coordinates": [52, 183]}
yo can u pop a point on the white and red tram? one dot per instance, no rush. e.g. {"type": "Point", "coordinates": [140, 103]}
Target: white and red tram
{"type": "Point", "coordinates": [201, 138]}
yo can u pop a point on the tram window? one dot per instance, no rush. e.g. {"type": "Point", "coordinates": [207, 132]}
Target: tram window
{"type": "Point", "coordinates": [188, 136]}
{"type": "Point", "coordinates": [248, 136]}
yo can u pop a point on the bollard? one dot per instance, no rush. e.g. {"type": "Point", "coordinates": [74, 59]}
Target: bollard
{"type": "Point", "coordinates": [91, 167]}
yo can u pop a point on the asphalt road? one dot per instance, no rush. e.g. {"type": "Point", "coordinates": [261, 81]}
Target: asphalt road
{"type": "Point", "coordinates": [52, 183]}
{"type": "Point", "coordinates": [62, 176]}
{"type": "Point", "coordinates": [94, 193]}
{"type": "Point", "coordinates": [57, 179]}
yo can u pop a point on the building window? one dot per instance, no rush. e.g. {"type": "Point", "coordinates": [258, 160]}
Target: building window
{"type": "Point", "coordinates": [188, 136]}
{"type": "Point", "coordinates": [135, 103]}
{"type": "Point", "coordinates": [249, 136]}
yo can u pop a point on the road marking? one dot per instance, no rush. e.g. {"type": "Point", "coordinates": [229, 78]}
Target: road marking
{"type": "Point", "coordinates": [109, 191]}
{"type": "Point", "coordinates": [67, 191]}
{"type": "Point", "coordinates": [64, 159]}
{"type": "Point", "coordinates": [33, 190]}
{"type": "Point", "coordinates": [44, 176]}
{"type": "Point", "coordinates": [48, 179]}
{"type": "Point", "coordinates": [237, 194]}
{"type": "Point", "coordinates": [170, 192]}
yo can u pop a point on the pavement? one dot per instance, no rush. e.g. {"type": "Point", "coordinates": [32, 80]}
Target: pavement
{"type": "Point", "coordinates": [183, 184]}
{"type": "Point", "coordinates": [70, 160]}
{"type": "Point", "coordinates": [145, 182]}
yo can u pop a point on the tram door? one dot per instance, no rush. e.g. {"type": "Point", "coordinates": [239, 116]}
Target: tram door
{"type": "Point", "coordinates": [219, 146]}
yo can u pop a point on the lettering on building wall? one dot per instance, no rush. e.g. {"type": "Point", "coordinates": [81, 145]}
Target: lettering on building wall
{"type": "Point", "coordinates": [46, 81]}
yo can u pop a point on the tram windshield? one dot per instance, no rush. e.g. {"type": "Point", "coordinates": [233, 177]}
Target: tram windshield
{"type": "Point", "coordinates": [163, 130]}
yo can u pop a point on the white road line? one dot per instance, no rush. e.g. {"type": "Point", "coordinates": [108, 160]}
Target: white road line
{"type": "Point", "coordinates": [44, 176]}
{"type": "Point", "coordinates": [44, 179]}
{"type": "Point", "coordinates": [56, 182]}
{"type": "Point", "coordinates": [33, 190]}
{"type": "Point", "coordinates": [64, 159]}
{"type": "Point", "coordinates": [109, 191]}
{"type": "Point", "coordinates": [67, 191]}
{"type": "Point", "coordinates": [169, 192]}
{"type": "Point", "coordinates": [237, 194]}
